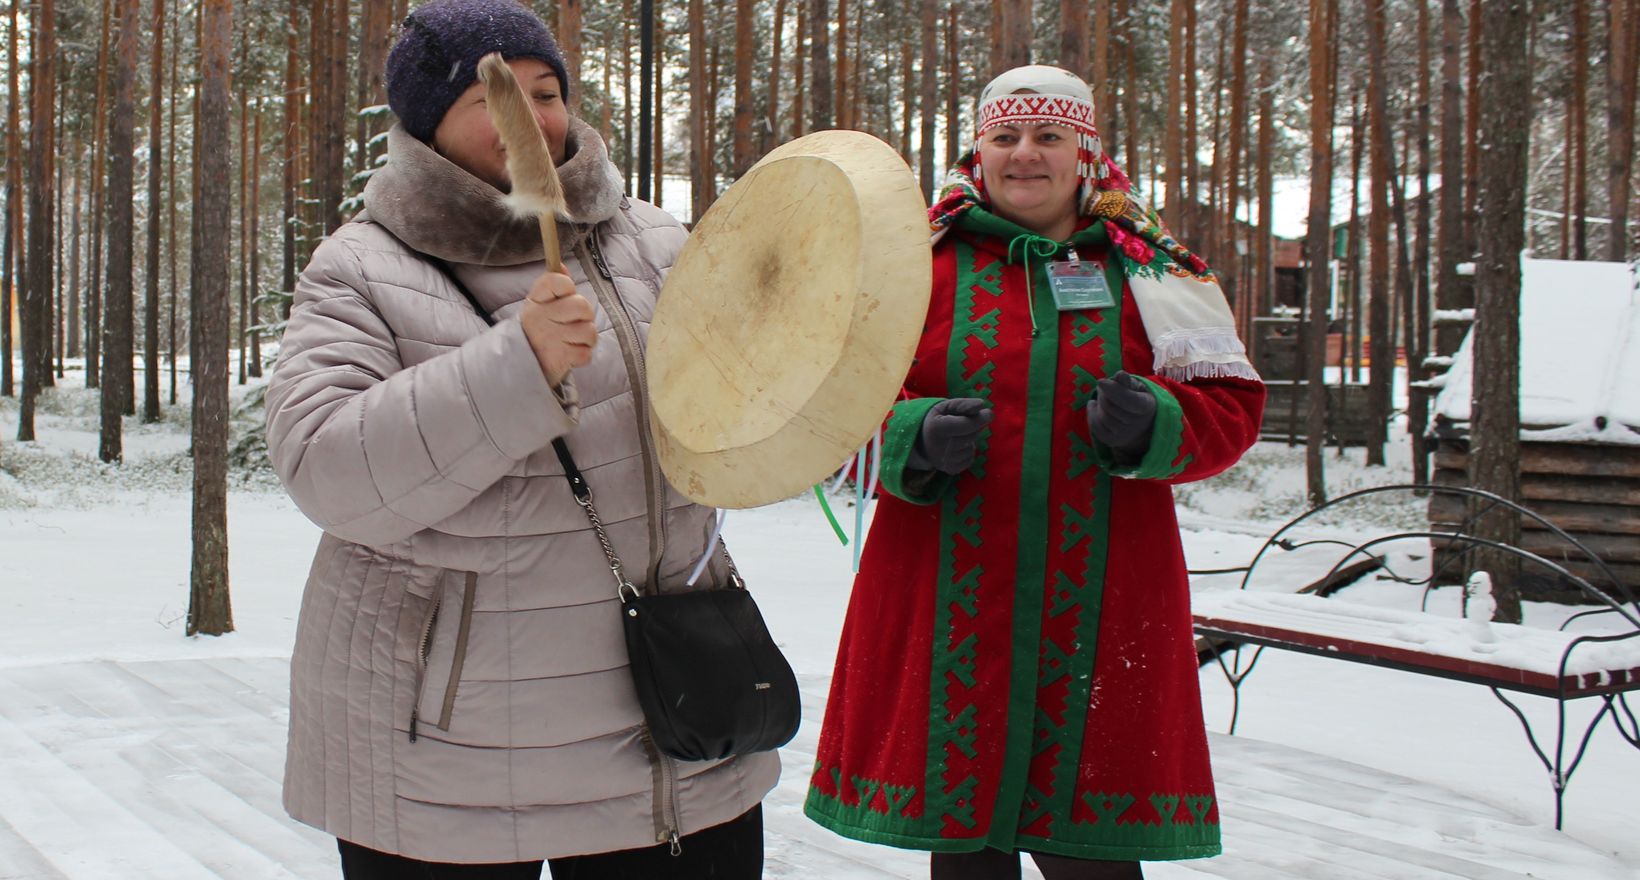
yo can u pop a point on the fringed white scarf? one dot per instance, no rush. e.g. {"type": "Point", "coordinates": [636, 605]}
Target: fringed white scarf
{"type": "Point", "coordinates": [1190, 327]}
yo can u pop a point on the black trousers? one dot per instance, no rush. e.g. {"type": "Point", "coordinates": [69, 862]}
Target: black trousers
{"type": "Point", "coordinates": [731, 851]}
{"type": "Point", "coordinates": [991, 864]}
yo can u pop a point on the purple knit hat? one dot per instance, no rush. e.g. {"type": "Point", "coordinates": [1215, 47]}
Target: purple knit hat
{"type": "Point", "coordinates": [436, 56]}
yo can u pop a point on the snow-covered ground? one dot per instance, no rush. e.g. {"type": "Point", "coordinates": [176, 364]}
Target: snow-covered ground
{"type": "Point", "coordinates": [129, 750]}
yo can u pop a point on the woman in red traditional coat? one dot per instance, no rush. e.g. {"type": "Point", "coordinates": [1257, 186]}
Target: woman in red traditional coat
{"type": "Point", "coordinates": [1017, 671]}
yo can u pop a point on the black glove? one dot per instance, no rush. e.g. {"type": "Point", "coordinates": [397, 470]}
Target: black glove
{"type": "Point", "coordinates": [1122, 414]}
{"type": "Point", "coordinates": [949, 431]}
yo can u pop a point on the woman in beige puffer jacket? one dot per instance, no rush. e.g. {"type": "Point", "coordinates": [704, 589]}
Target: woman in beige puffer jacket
{"type": "Point", "coordinates": [459, 686]}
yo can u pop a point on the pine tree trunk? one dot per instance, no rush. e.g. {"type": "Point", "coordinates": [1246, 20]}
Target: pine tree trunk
{"type": "Point", "coordinates": [1318, 246]}
{"type": "Point", "coordinates": [1016, 34]}
{"type": "Point", "coordinates": [1452, 291]}
{"type": "Point", "coordinates": [648, 109]}
{"type": "Point", "coordinates": [318, 101]}
{"type": "Point", "coordinates": [118, 302]}
{"type": "Point", "coordinates": [1192, 165]}
{"type": "Point", "coordinates": [606, 109]}
{"type": "Point", "coordinates": [171, 210]}
{"type": "Point", "coordinates": [568, 31]}
{"type": "Point", "coordinates": [954, 148]}
{"type": "Point", "coordinates": [820, 94]}
{"type": "Point", "coordinates": [1418, 326]}
{"type": "Point", "coordinates": [336, 140]}
{"type": "Point", "coordinates": [255, 242]}
{"type": "Point", "coordinates": [1130, 98]}
{"type": "Point", "coordinates": [909, 90]}
{"type": "Point", "coordinates": [57, 239]}
{"type": "Point", "coordinates": [698, 145]}
{"type": "Point", "coordinates": [1073, 42]}
{"type": "Point", "coordinates": [150, 322]}
{"type": "Point", "coordinates": [1351, 273]}
{"type": "Point", "coordinates": [291, 143]}
{"type": "Point", "coordinates": [629, 152]}
{"type": "Point", "coordinates": [1381, 314]}
{"type": "Point", "coordinates": [845, 115]}
{"type": "Point", "coordinates": [209, 609]}
{"type": "Point", "coordinates": [76, 334]}
{"type": "Point", "coordinates": [36, 306]}
{"type": "Point", "coordinates": [372, 88]}
{"type": "Point", "coordinates": [328, 108]}
{"type": "Point", "coordinates": [1099, 75]}
{"type": "Point", "coordinates": [13, 266]}
{"type": "Point", "coordinates": [1230, 257]}
{"type": "Point", "coordinates": [714, 81]}
{"type": "Point", "coordinates": [1212, 216]}
{"type": "Point", "coordinates": [1623, 34]}
{"type": "Point", "coordinates": [799, 56]}
{"type": "Point", "coordinates": [658, 146]}
{"type": "Point", "coordinates": [99, 189]}
{"type": "Point", "coordinates": [194, 216]}
{"type": "Point", "coordinates": [771, 135]}
{"type": "Point", "coordinates": [1264, 280]}
{"type": "Point", "coordinates": [927, 97]}
{"type": "Point", "coordinates": [998, 28]}
{"type": "Point", "coordinates": [1578, 119]}
{"type": "Point", "coordinates": [244, 168]}
{"type": "Point", "coordinates": [744, 155]}
{"type": "Point", "coordinates": [1494, 455]}
{"type": "Point", "coordinates": [1472, 116]}
{"type": "Point", "coordinates": [1173, 136]}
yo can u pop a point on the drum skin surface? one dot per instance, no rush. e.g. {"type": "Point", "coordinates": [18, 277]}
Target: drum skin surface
{"type": "Point", "coordinates": [786, 327]}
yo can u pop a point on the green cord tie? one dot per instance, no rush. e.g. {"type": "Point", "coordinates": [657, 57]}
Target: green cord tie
{"type": "Point", "coordinates": [1040, 247]}
{"type": "Point", "coordinates": [830, 517]}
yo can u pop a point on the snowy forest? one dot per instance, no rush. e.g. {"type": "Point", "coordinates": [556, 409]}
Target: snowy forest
{"type": "Point", "coordinates": [1425, 217]}
{"type": "Point", "coordinates": [169, 166]}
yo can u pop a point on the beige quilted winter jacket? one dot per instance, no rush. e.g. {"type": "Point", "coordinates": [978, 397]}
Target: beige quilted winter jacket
{"type": "Point", "coordinates": [459, 685]}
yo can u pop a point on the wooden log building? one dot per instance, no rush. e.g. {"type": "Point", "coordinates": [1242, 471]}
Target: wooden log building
{"type": "Point", "coordinates": [1580, 423]}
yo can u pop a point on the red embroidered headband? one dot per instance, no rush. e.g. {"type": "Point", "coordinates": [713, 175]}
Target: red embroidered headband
{"type": "Point", "coordinates": [1018, 109]}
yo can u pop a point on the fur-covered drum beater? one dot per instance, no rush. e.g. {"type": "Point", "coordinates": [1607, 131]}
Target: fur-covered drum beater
{"type": "Point", "coordinates": [536, 189]}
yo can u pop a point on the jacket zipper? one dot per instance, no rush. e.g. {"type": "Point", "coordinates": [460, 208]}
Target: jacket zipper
{"type": "Point", "coordinates": [666, 817]}
{"type": "Point", "coordinates": [626, 330]}
{"type": "Point", "coordinates": [423, 648]}
{"type": "Point", "coordinates": [463, 629]}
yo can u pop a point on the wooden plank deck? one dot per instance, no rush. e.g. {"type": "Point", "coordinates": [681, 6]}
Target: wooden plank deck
{"type": "Point", "coordinates": [169, 769]}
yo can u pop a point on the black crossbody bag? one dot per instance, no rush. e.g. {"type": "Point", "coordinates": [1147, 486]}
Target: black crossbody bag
{"type": "Point", "coordinates": [710, 680]}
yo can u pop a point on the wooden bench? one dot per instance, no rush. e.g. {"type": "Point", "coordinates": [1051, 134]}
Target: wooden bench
{"type": "Point", "coordinates": [1553, 664]}
{"type": "Point", "coordinates": [1557, 665]}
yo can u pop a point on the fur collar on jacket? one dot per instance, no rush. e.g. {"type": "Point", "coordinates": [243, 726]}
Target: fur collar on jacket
{"type": "Point", "coordinates": [438, 208]}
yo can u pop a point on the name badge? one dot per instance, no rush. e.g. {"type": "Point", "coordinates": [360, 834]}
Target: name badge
{"type": "Point", "coordinates": [1079, 285]}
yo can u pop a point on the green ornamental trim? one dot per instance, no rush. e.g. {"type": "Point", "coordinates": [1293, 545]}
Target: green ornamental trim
{"type": "Point", "coordinates": [899, 437]}
{"type": "Point", "coordinates": [1162, 460]}
{"type": "Point", "coordinates": [1085, 595]}
{"type": "Point", "coordinates": [1030, 571]}
{"type": "Point", "coordinates": [1185, 835]}
{"type": "Point", "coordinates": [952, 726]}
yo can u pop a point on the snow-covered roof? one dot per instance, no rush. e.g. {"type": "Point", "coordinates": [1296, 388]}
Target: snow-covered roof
{"type": "Point", "coordinates": [1579, 338]}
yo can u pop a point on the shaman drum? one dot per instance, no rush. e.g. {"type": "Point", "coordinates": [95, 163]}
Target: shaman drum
{"type": "Point", "coordinates": [785, 330]}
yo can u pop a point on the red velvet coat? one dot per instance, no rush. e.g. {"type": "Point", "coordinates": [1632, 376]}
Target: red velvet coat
{"type": "Point", "coordinates": [1017, 667]}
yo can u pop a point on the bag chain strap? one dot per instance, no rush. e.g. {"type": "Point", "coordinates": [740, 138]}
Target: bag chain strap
{"type": "Point", "coordinates": [583, 496]}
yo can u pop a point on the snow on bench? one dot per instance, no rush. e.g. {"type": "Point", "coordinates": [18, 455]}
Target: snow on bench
{"type": "Point", "coordinates": [1544, 662]}
{"type": "Point", "coordinates": [1558, 665]}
